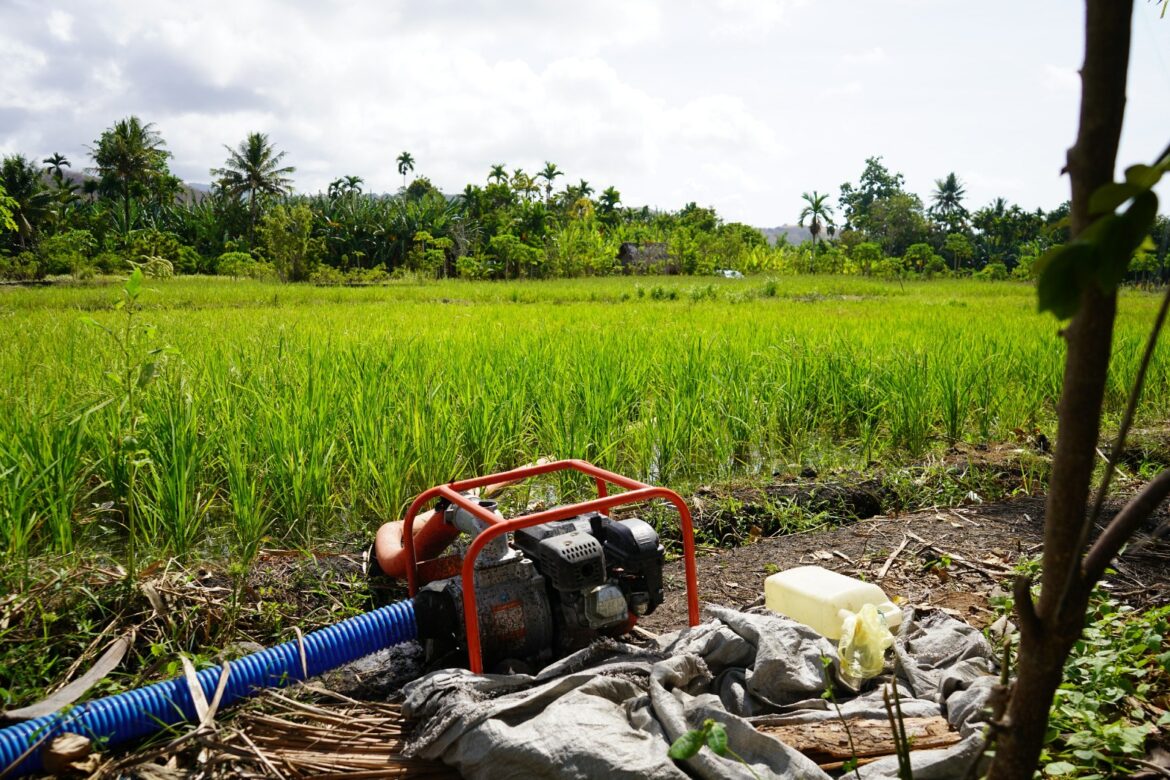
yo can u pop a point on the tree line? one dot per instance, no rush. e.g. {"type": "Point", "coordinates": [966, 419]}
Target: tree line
{"type": "Point", "coordinates": [130, 208]}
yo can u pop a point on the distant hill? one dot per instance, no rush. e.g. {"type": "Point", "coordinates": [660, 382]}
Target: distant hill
{"type": "Point", "coordinates": [795, 234]}
{"type": "Point", "coordinates": [191, 191]}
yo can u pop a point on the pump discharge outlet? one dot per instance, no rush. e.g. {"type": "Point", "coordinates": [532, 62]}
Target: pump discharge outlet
{"type": "Point", "coordinates": [823, 599]}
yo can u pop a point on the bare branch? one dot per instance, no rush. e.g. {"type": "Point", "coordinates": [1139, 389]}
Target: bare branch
{"type": "Point", "coordinates": [1135, 395]}
{"type": "Point", "coordinates": [1122, 527]}
{"type": "Point", "coordinates": [1025, 607]}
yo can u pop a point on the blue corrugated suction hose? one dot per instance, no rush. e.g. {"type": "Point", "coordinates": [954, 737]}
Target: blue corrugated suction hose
{"type": "Point", "coordinates": [137, 713]}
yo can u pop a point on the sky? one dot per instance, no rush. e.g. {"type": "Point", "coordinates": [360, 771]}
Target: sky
{"type": "Point", "coordinates": [742, 105]}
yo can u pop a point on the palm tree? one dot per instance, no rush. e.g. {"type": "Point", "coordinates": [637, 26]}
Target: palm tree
{"type": "Point", "coordinates": [405, 163]}
{"type": "Point", "coordinates": [253, 169]}
{"type": "Point", "coordinates": [499, 174]}
{"type": "Point", "coordinates": [819, 212]}
{"type": "Point", "coordinates": [609, 200]}
{"type": "Point", "coordinates": [346, 185]}
{"type": "Point", "coordinates": [948, 200]}
{"type": "Point", "coordinates": [584, 189]}
{"type": "Point", "coordinates": [129, 159]}
{"type": "Point", "coordinates": [549, 173]}
{"type": "Point", "coordinates": [523, 184]}
{"type": "Point", "coordinates": [29, 201]}
{"type": "Point", "coordinates": [66, 191]}
{"type": "Point", "coordinates": [471, 197]}
{"type": "Point", "coordinates": [54, 163]}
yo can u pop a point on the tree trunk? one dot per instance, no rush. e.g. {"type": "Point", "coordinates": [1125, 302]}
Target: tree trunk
{"type": "Point", "coordinates": [126, 210]}
{"type": "Point", "coordinates": [1048, 631]}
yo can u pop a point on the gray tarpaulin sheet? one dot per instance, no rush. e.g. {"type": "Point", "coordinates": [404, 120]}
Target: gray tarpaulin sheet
{"type": "Point", "coordinates": [613, 709]}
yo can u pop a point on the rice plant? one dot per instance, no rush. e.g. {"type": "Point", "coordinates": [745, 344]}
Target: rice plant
{"type": "Point", "coordinates": [297, 414]}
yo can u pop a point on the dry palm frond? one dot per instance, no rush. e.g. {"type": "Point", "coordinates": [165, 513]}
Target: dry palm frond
{"type": "Point", "coordinates": [331, 736]}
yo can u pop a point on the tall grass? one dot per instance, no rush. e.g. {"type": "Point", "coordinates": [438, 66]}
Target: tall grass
{"type": "Point", "coordinates": [301, 414]}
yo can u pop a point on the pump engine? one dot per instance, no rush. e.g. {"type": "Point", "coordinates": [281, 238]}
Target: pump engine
{"type": "Point", "coordinates": [550, 588]}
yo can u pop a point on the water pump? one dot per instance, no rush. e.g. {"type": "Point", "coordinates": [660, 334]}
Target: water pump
{"type": "Point", "coordinates": [557, 587]}
{"type": "Point", "coordinates": [534, 586]}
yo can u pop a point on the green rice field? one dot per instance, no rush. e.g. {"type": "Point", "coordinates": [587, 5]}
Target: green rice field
{"type": "Point", "coordinates": [219, 413]}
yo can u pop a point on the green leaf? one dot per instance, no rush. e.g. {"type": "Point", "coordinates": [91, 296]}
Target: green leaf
{"type": "Point", "coordinates": [1061, 272]}
{"type": "Point", "coordinates": [134, 283]}
{"type": "Point", "coordinates": [146, 373]}
{"type": "Point", "coordinates": [1107, 198]}
{"type": "Point", "coordinates": [1120, 236]}
{"type": "Point", "coordinates": [1057, 768]}
{"type": "Point", "coordinates": [1143, 176]}
{"type": "Point", "coordinates": [717, 739]}
{"type": "Point", "coordinates": [687, 745]}
{"type": "Point", "coordinates": [1139, 219]}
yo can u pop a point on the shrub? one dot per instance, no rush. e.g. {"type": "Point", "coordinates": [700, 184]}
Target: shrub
{"type": "Point", "coordinates": [919, 257]}
{"type": "Point", "coordinates": [866, 256]}
{"type": "Point", "coordinates": [327, 275]}
{"type": "Point", "coordinates": [237, 265]}
{"type": "Point", "coordinates": [286, 235]}
{"type": "Point", "coordinates": [993, 272]}
{"type": "Point", "coordinates": [934, 266]}
{"type": "Point", "coordinates": [375, 275]}
{"type": "Point", "coordinates": [111, 263]}
{"type": "Point", "coordinates": [70, 252]}
{"type": "Point", "coordinates": [660, 293]}
{"type": "Point", "coordinates": [20, 268]}
{"type": "Point", "coordinates": [889, 268]}
{"type": "Point", "coordinates": [473, 267]}
{"type": "Point", "coordinates": [141, 246]}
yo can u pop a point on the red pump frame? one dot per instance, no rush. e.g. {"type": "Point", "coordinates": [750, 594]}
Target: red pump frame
{"type": "Point", "coordinates": [637, 492]}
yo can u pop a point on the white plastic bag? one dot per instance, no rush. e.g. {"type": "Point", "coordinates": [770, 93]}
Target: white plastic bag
{"type": "Point", "coordinates": [864, 641]}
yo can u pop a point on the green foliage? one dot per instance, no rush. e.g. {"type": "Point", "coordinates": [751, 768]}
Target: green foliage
{"type": "Point", "coordinates": [241, 265]}
{"type": "Point", "coordinates": [135, 366]}
{"type": "Point", "coordinates": [26, 203]}
{"type": "Point", "coordinates": [287, 241]}
{"type": "Point", "coordinates": [896, 222]}
{"type": "Point", "coordinates": [511, 258]}
{"type": "Point", "coordinates": [1102, 715]}
{"type": "Point", "coordinates": [919, 257]}
{"type": "Point", "coordinates": [7, 206]}
{"type": "Point", "coordinates": [1107, 707]}
{"type": "Point", "coordinates": [253, 174]}
{"type": "Point", "coordinates": [948, 203]}
{"type": "Point", "coordinates": [957, 247]}
{"type": "Point", "coordinates": [867, 256]}
{"type": "Point", "coordinates": [1101, 254]}
{"type": "Point", "coordinates": [21, 267]}
{"type": "Point", "coordinates": [713, 735]}
{"type": "Point", "coordinates": [428, 255]}
{"type": "Point", "coordinates": [360, 399]}
{"type": "Point", "coordinates": [992, 272]}
{"type": "Point", "coordinates": [70, 252]}
{"type": "Point", "coordinates": [141, 246]}
{"type": "Point", "coordinates": [876, 183]}
{"type": "Point", "coordinates": [131, 163]}
{"type": "Point", "coordinates": [421, 188]}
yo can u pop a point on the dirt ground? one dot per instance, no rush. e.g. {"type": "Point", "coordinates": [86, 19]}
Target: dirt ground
{"type": "Point", "coordinates": [953, 558]}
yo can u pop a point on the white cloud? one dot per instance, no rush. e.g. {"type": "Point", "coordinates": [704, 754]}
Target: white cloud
{"type": "Point", "coordinates": [871, 56]}
{"type": "Point", "coordinates": [740, 104]}
{"type": "Point", "coordinates": [60, 26]}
